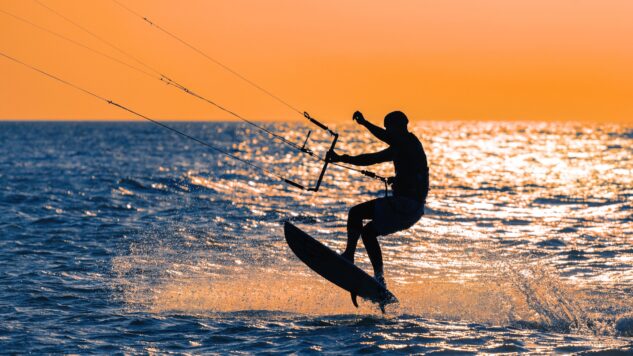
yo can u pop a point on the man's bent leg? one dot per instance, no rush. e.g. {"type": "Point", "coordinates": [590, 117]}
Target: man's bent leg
{"type": "Point", "coordinates": [355, 226]}
{"type": "Point", "coordinates": [370, 241]}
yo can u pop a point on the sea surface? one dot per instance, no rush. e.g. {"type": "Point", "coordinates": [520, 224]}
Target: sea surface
{"type": "Point", "coordinates": [128, 238]}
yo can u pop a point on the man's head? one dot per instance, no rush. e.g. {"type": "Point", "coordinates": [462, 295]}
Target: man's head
{"type": "Point", "coordinates": [396, 123]}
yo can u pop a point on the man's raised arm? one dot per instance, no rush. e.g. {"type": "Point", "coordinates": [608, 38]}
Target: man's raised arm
{"type": "Point", "coordinates": [378, 132]}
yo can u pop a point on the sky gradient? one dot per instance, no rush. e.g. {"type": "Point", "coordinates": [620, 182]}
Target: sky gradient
{"type": "Point", "coordinates": [433, 59]}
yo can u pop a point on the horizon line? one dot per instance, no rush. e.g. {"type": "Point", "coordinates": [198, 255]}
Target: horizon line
{"type": "Point", "coordinates": [105, 120]}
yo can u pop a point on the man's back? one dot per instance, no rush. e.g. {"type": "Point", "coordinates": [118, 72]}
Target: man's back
{"type": "Point", "coordinates": [411, 167]}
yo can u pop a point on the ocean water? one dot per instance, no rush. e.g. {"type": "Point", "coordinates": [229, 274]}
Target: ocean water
{"type": "Point", "coordinates": [124, 237]}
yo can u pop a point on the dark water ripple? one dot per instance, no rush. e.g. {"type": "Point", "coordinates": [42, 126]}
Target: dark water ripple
{"type": "Point", "coordinates": [123, 238]}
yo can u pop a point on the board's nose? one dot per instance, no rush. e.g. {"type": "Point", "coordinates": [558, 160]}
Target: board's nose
{"type": "Point", "coordinates": [289, 229]}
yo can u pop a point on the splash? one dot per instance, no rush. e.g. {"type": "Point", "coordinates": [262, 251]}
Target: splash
{"type": "Point", "coordinates": [309, 294]}
{"type": "Point", "coordinates": [516, 300]}
{"type": "Point", "coordinates": [554, 304]}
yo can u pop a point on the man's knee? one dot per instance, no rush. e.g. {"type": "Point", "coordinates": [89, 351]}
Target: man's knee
{"type": "Point", "coordinates": [354, 215]}
{"type": "Point", "coordinates": [369, 231]}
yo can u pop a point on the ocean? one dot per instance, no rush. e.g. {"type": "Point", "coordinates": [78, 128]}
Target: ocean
{"type": "Point", "coordinates": [123, 237]}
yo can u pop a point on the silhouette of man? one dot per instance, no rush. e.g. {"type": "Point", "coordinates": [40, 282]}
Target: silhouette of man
{"type": "Point", "coordinates": [410, 187]}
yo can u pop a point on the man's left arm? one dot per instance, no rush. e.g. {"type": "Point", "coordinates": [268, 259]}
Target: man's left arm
{"type": "Point", "coordinates": [366, 159]}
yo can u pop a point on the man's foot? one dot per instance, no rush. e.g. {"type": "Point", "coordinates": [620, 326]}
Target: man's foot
{"type": "Point", "coordinates": [348, 256]}
{"type": "Point", "coordinates": [386, 297]}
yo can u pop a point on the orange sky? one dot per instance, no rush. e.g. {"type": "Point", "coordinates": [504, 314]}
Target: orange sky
{"type": "Point", "coordinates": [433, 59]}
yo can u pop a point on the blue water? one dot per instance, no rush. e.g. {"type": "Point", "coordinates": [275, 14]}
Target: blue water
{"type": "Point", "coordinates": [124, 237]}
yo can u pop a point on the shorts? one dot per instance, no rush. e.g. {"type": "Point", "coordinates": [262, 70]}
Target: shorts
{"type": "Point", "coordinates": [392, 214]}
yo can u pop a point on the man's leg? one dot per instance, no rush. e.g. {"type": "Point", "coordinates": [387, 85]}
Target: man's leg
{"type": "Point", "coordinates": [355, 219]}
{"type": "Point", "coordinates": [373, 249]}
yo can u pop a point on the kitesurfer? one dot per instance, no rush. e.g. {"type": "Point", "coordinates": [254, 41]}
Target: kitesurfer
{"type": "Point", "coordinates": [410, 188]}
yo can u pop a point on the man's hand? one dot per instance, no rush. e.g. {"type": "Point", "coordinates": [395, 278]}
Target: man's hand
{"type": "Point", "coordinates": [359, 118]}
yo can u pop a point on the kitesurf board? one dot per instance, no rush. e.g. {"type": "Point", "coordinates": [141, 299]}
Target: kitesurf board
{"type": "Point", "coordinates": [336, 269]}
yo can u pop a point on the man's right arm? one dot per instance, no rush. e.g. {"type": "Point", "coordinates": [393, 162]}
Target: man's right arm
{"type": "Point", "coordinates": [378, 132]}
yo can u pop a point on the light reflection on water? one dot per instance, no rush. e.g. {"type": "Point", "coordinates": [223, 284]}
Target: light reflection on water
{"type": "Point", "coordinates": [525, 245]}
{"type": "Point", "coordinates": [525, 224]}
